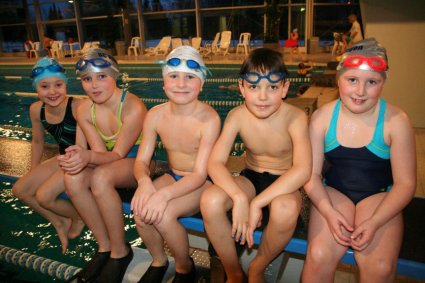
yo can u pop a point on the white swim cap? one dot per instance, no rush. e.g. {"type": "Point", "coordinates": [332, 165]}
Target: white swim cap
{"type": "Point", "coordinates": [185, 59]}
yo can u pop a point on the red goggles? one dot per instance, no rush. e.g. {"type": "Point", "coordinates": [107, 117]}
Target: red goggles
{"type": "Point", "coordinates": [375, 63]}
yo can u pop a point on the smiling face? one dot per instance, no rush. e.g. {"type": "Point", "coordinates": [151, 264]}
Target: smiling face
{"type": "Point", "coordinates": [51, 91]}
{"type": "Point", "coordinates": [98, 86]}
{"type": "Point", "coordinates": [182, 88]}
{"type": "Point", "coordinates": [360, 90]}
{"type": "Point", "coordinates": [264, 98]}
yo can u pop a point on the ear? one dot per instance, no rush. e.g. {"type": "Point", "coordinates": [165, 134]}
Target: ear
{"type": "Point", "coordinates": [285, 89]}
{"type": "Point", "coordinates": [241, 87]}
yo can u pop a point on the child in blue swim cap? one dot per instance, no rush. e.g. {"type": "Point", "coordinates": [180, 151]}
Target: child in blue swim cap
{"type": "Point", "coordinates": [55, 113]}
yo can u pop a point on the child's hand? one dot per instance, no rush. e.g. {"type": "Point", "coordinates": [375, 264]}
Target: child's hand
{"type": "Point", "coordinates": [339, 227]}
{"type": "Point", "coordinates": [255, 217]}
{"type": "Point", "coordinates": [363, 234]}
{"type": "Point", "coordinates": [144, 191]}
{"type": "Point", "coordinates": [240, 219]}
{"type": "Point", "coordinates": [74, 160]}
{"type": "Point", "coordinates": [153, 211]}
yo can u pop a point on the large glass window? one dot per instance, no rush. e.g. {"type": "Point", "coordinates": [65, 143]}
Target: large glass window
{"type": "Point", "coordinates": [106, 30]}
{"type": "Point", "coordinates": [57, 11]}
{"type": "Point", "coordinates": [12, 12]}
{"type": "Point", "coordinates": [330, 19]}
{"type": "Point", "coordinates": [227, 3]}
{"type": "Point", "coordinates": [94, 8]}
{"type": "Point", "coordinates": [13, 38]}
{"type": "Point", "coordinates": [62, 31]}
{"type": "Point", "coordinates": [172, 24]}
{"type": "Point", "coordinates": [166, 5]}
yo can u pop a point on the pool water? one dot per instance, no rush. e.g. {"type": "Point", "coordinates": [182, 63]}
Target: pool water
{"type": "Point", "coordinates": [23, 229]}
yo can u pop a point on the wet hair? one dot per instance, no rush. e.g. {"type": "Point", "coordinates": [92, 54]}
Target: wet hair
{"type": "Point", "coordinates": [264, 60]}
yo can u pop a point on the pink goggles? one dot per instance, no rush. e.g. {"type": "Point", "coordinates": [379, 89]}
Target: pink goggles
{"type": "Point", "coordinates": [375, 63]}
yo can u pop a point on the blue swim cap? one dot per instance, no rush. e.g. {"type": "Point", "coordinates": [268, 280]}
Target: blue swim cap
{"type": "Point", "coordinates": [45, 68]}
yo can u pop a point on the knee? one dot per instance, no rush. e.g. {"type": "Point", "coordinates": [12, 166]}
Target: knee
{"type": "Point", "coordinates": [19, 191]}
{"type": "Point", "coordinates": [381, 267]}
{"type": "Point", "coordinates": [73, 184]}
{"type": "Point", "coordinates": [284, 211]}
{"type": "Point", "coordinates": [211, 202]}
{"type": "Point", "coordinates": [42, 198]}
{"type": "Point", "coordinates": [100, 181]}
{"type": "Point", "coordinates": [319, 256]}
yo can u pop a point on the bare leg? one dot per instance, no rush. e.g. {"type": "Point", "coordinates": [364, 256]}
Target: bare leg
{"type": "Point", "coordinates": [105, 180]}
{"type": "Point", "coordinates": [284, 211]}
{"type": "Point", "coordinates": [78, 189]}
{"type": "Point", "coordinates": [174, 233]}
{"type": "Point", "coordinates": [214, 205]}
{"type": "Point", "coordinates": [324, 253]}
{"type": "Point", "coordinates": [47, 197]}
{"type": "Point", "coordinates": [378, 262]}
{"type": "Point", "coordinates": [25, 189]}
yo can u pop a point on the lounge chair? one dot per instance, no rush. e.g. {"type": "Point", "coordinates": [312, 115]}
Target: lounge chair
{"type": "Point", "coordinates": [31, 48]}
{"type": "Point", "coordinates": [135, 46]}
{"type": "Point", "coordinates": [176, 42]}
{"type": "Point", "coordinates": [162, 48]}
{"type": "Point", "coordinates": [210, 47]}
{"type": "Point", "coordinates": [196, 42]}
{"type": "Point", "coordinates": [223, 48]}
{"type": "Point", "coordinates": [244, 43]}
{"type": "Point", "coordinates": [76, 49]}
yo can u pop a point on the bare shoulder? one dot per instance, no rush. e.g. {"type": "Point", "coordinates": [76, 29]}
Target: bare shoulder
{"type": "Point", "coordinates": [207, 112]}
{"type": "Point", "coordinates": [396, 119]}
{"type": "Point", "coordinates": [35, 108]}
{"type": "Point", "coordinates": [323, 114]}
{"type": "Point", "coordinates": [237, 113]}
{"type": "Point", "coordinates": [76, 103]}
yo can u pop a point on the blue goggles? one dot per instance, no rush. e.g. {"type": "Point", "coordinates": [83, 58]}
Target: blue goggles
{"type": "Point", "coordinates": [191, 64]}
{"type": "Point", "coordinates": [255, 78]}
{"type": "Point", "coordinates": [53, 68]}
{"type": "Point", "coordinates": [98, 62]}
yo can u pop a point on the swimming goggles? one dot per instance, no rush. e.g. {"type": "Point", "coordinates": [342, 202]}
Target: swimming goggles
{"type": "Point", "coordinates": [191, 64]}
{"type": "Point", "coordinates": [53, 68]}
{"type": "Point", "coordinates": [375, 63]}
{"type": "Point", "coordinates": [98, 62]}
{"type": "Point", "coordinates": [255, 78]}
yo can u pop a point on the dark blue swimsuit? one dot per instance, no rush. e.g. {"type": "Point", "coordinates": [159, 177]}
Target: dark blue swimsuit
{"type": "Point", "coordinates": [358, 172]}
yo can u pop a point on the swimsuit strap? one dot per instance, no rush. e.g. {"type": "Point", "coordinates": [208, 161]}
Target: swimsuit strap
{"type": "Point", "coordinates": [378, 145]}
{"type": "Point", "coordinates": [331, 141]}
{"type": "Point", "coordinates": [119, 122]}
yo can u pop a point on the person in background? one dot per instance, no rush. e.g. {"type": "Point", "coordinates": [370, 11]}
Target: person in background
{"type": "Point", "coordinates": [354, 35]}
{"type": "Point", "coordinates": [368, 146]}
{"type": "Point", "coordinates": [47, 45]}
{"type": "Point", "coordinates": [55, 113]}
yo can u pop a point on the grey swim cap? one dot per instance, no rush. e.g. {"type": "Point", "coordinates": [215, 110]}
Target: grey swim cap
{"type": "Point", "coordinates": [185, 53]}
{"type": "Point", "coordinates": [369, 49]}
{"type": "Point", "coordinates": [97, 60]}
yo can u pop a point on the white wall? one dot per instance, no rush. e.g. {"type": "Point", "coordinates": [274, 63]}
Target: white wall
{"type": "Point", "coordinates": [400, 27]}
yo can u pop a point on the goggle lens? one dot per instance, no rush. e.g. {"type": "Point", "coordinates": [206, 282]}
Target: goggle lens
{"type": "Point", "coordinates": [191, 64]}
{"type": "Point", "coordinates": [254, 77]}
{"type": "Point", "coordinates": [96, 62]}
{"type": "Point", "coordinates": [375, 63]}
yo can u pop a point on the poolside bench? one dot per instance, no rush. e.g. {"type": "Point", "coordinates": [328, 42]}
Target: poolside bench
{"type": "Point", "coordinates": [410, 263]}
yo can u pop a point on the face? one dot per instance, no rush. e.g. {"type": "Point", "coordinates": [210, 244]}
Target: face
{"type": "Point", "coordinates": [182, 88]}
{"type": "Point", "coordinates": [360, 90]}
{"type": "Point", "coordinates": [51, 91]}
{"type": "Point", "coordinates": [98, 86]}
{"type": "Point", "coordinates": [264, 98]}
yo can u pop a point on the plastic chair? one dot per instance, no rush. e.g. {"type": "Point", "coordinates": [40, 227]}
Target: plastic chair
{"type": "Point", "coordinates": [57, 49]}
{"type": "Point", "coordinates": [176, 42]}
{"type": "Point", "coordinates": [162, 48]}
{"type": "Point", "coordinates": [244, 42]}
{"type": "Point", "coordinates": [196, 42]}
{"type": "Point", "coordinates": [223, 48]}
{"type": "Point", "coordinates": [30, 47]}
{"type": "Point", "coordinates": [135, 46]}
{"type": "Point", "coordinates": [211, 47]}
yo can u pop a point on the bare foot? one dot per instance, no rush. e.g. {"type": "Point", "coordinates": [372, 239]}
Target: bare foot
{"type": "Point", "coordinates": [62, 229]}
{"type": "Point", "coordinates": [76, 227]}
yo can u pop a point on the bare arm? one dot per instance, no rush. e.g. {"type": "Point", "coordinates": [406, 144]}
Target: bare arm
{"type": "Point", "coordinates": [299, 173]}
{"type": "Point", "coordinates": [37, 130]}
